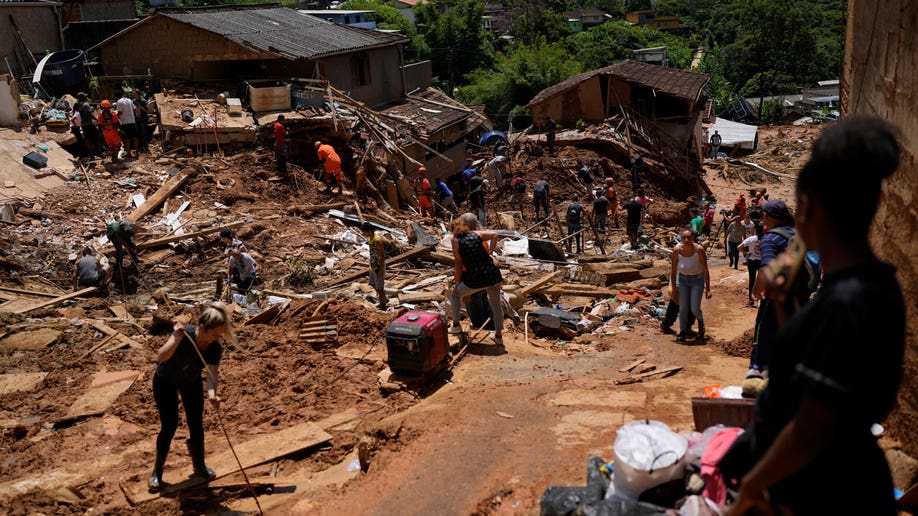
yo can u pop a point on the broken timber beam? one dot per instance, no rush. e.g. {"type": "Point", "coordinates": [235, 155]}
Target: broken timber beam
{"type": "Point", "coordinates": [59, 299]}
{"type": "Point", "coordinates": [28, 292]}
{"type": "Point", "coordinates": [568, 289]}
{"type": "Point", "coordinates": [165, 191]}
{"type": "Point", "coordinates": [111, 332]}
{"type": "Point", "coordinates": [310, 208]}
{"type": "Point", "coordinates": [539, 283]}
{"type": "Point", "coordinates": [157, 242]}
{"type": "Point", "coordinates": [669, 371]}
{"type": "Point", "coordinates": [417, 251]}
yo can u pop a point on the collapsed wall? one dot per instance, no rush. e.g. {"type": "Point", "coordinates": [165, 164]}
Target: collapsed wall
{"type": "Point", "coordinates": [880, 71]}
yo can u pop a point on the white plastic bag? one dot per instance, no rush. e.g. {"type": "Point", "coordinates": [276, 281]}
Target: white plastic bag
{"type": "Point", "coordinates": [647, 454]}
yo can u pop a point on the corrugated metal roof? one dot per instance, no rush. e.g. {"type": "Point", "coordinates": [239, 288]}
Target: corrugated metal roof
{"type": "Point", "coordinates": [280, 30]}
{"type": "Point", "coordinates": [427, 116]}
{"type": "Point", "coordinates": [668, 81]}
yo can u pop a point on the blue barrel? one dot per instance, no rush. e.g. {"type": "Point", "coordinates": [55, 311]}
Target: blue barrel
{"type": "Point", "coordinates": [63, 72]}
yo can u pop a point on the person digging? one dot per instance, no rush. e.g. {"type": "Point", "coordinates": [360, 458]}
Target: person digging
{"type": "Point", "coordinates": [178, 373]}
{"type": "Point", "coordinates": [377, 275]}
{"type": "Point", "coordinates": [121, 235]}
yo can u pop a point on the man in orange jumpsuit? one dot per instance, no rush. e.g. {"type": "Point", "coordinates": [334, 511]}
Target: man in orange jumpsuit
{"type": "Point", "coordinates": [422, 189]}
{"type": "Point", "coordinates": [612, 195]}
{"type": "Point", "coordinates": [332, 162]}
{"type": "Point", "coordinates": [108, 121]}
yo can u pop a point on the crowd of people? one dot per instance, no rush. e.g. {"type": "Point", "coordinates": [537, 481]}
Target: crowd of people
{"type": "Point", "coordinates": [104, 131]}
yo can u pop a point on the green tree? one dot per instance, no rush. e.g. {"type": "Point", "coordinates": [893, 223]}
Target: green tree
{"type": "Point", "coordinates": [456, 38]}
{"type": "Point", "coordinates": [517, 77]}
{"type": "Point", "coordinates": [720, 90]}
{"type": "Point", "coordinates": [611, 42]}
{"type": "Point", "coordinates": [528, 22]}
{"type": "Point", "coordinates": [388, 18]}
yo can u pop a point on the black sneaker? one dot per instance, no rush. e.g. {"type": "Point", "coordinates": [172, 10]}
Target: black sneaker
{"type": "Point", "coordinates": [667, 330]}
{"type": "Point", "coordinates": [680, 338]}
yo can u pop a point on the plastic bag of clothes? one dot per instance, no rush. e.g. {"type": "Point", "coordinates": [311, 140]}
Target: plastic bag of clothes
{"type": "Point", "coordinates": [647, 454]}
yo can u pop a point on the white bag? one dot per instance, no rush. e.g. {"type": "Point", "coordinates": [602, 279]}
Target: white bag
{"type": "Point", "coordinates": [647, 454]}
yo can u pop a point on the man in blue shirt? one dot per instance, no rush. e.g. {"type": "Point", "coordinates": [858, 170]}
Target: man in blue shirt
{"type": "Point", "coordinates": [445, 197]}
{"type": "Point", "coordinates": [779, 225]}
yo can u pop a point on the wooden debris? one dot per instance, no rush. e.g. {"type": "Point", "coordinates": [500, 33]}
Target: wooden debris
{"type": "Point", "coordinates": [318, 331]}
{"type": "Point", "coordinates": [539, 283]}
{"type": "Point", "coordinates": [104, 389]}
{"type": "Point", "coordinates": [165, 191]}
{"type": "Point", "coordinates": [637, 378]}
{"type": "Point", "coordinates": [31, 340]}
{"type": "Point", "coordinates": [122, 339]}
{"type": "Point", "coordinates": [573, 289]}
{"type": "Point", "coordinates": [57, 300]}
{"type": "Point", "coordinates": [418, 297]}
{"type": "Point", "coordinates": [157, 242]}
{"type": "Point", "coordinates": [632, 365]}
{"type": "Point", "coordinates": [29, 292]}
{"type": "Point", "coordinates": [297, 209]}
{"type": "Point", "coordinates": [417, 251]}
{"type": "Point", "coordinates": [20, 382]}
{"type": "Point", "coordinates": [260, 450]}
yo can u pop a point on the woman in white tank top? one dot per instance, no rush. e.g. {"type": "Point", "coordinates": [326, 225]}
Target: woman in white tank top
{"type": "Point", "coordinates": [689, 278]}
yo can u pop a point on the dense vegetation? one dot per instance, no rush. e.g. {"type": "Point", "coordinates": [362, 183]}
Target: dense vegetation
{"type": "Point", "coordinates": [752, 47]}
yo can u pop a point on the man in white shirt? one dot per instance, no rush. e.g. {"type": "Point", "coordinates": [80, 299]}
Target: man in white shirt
{"type": "Point", "coordinates": [125, 107]}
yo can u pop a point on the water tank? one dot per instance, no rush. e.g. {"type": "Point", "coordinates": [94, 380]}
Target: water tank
{"type": "Point", "coordinates": [60, 72]}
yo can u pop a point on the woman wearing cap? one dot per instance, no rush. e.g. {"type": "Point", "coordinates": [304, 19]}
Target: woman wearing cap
{"type": "Point", "coordinates": [108, 121]}
{"type": "Point", "coordinates": [779, 229]}
{"type": "Point", "coordinates": [475, 270]}
{"type": "Point", "coordinates": [837, 361]}
{"type": "Point", "coordinates": [178, 372]}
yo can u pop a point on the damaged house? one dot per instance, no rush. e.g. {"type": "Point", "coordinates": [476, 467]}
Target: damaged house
{"type": "Point", "coordinates": [230, 43]}
{"type": "Point", "coordinates": [663, 108]}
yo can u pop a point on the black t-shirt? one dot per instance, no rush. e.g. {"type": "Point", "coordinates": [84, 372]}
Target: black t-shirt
{"type": "Point", "coordinates": [184, 367]}
{"type": "Point", "coordinates": [540, 187]}
{"type": "Point", "coordinates": [601, 204]}
{"type": "Point", "coordinates": [845, 348]}
{"type": "Point", "coordinates": [574, 211]}
{"type": "Point", "coordinates": [584, 174]}
{"type": "Point", "coordinates": [476, 198]}
{"type": "Point", "coordinates": [634, 209]}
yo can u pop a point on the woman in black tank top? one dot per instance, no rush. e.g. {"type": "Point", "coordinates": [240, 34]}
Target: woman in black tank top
{"type": "Point", "coordinates": [475, 270]}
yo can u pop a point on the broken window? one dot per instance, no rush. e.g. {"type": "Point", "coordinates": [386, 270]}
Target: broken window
{"type": "Point", "coordinates": [360, 70]}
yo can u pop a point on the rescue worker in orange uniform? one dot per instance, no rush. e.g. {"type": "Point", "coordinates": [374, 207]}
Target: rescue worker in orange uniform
{"type": "Point", "coordinates": [739, 207]}
{"type": "Point", "coordinates": [329, 158]}
{"type": "Point", "coordinates": [612, 195]}
{"type": "Point", "coordinates": [422, 189]}
{"type": "Point", "coordinates": [108, 121]}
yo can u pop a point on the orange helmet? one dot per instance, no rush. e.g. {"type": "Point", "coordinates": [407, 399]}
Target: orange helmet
{"type": "Point", "coordinates": [106, 104]}
{"type": "Point", "coordinates": [422, 170]}
{"type": "Point", "coordinates": [609, 181]}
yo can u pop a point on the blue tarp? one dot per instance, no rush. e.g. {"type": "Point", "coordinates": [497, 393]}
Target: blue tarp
{"type": "Point", "coordinates": [491, 137]}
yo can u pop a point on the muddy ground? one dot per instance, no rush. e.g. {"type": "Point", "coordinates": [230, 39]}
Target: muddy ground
{"type": "Point", "coordinates": [486, 438]}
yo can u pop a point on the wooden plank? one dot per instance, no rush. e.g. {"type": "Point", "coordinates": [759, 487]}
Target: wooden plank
{"type": "Point", "coordinates": [262, 449]}
{"type": "Point", "coordinates": [121, 312]}
{"type": "Point", "coordinates": [577, 290]}
{"type": "Point", "coordinates": [640, 377]}
{"type": "Point", "coordinates": [103, 391]}
{"type": "Point", "coordinates": [52, 302]}
{"type": "Point", "coordinates": [539, 283]}
{"type": "Point", "coordinates": [34, 340]}
{"type": "Point", "coordinates": [157, 242]}
{"type": "Point", "coordinates": [417, 251]}
{"type": "Point", "coordinates": [264, 317]}
{"type": "Point", "coordinates": [122, 338]}
{"type": "Point", "coordinates": [29, 292]}
{"type": "Point", "coordinates": [19, 382]}
{"type": "Point", "coordinates": [165, 191]}
{"type": "Point", "coordinates": [632, 365]}
{"type": "Point", "coordinates": [419, 297]}
{"type": "Point", "coordinates": [310, 208]}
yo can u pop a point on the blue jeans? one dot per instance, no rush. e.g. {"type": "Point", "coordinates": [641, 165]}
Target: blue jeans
{"type": "Point", "coordinates": [691, 288]}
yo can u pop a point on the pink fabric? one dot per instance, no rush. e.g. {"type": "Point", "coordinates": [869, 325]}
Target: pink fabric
{"type": "Point", "coordinates": [715, 488]}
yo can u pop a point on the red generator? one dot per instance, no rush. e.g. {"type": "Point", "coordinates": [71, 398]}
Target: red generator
{"type": "Point", "coordinates": [416, 343]}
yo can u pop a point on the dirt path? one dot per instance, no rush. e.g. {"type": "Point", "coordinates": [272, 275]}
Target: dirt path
{"type": "Point", "coordinates": [508, 426]}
